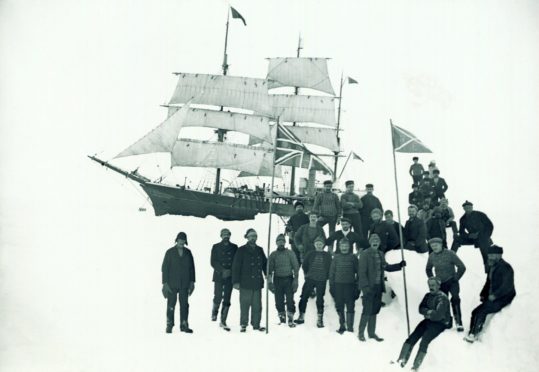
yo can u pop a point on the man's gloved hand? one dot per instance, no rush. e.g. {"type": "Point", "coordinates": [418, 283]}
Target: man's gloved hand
{"type": "Point", "coordinates": [402, 264]}
{"type": "Point", "coordinates": [295, 285]}
{"type": "Point", "coordinates": [191, 288]}
{"type": "Point", "coordinates": [226, 273]}
{"type": "Point", "coordinates": [166, 290]}
{"type": "Point", "coordinates": [236, 286]}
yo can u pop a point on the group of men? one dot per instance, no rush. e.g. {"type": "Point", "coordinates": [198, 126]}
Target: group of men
{"type": "Point", "coordinates": [355, 267]}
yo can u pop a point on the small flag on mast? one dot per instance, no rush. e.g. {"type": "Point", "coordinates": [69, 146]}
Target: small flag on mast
{"type": "Point", "coordinates": [236, 14]}
{"type": "Point", "coordinates": [352, 81]}
{"type": "Point", "coordinates": [404, 141]}
{"type": "Point", "coordinates": [356, 157]}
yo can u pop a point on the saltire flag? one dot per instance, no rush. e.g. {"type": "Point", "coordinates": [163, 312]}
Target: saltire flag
{"type": "Point", "coordinates": [236, 14]}
{"type": "Point", "coordinates": [404, 141]}
{"type": "Point", "coordinates": [356, 157]}
{"type": "Point", "coordinates": [292, 152]}
{"type": "Point", "coordinates": [352, 81]}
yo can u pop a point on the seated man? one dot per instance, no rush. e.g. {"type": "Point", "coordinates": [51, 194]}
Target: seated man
{"type": "Point", "coordinates": [448, 216]}
{"type": "Point", "coordinates": [415, 234]}
{"type": "Point", "coordinates": [436, 227]}
{"type": "Point", "coordinates": [385, 232]}
{"type": "Point", "coordinates": [435, 310]}
{"type": "Point", "coordinates": [393, 244]}
{"type": "Point", "coordinates": [498, 292]}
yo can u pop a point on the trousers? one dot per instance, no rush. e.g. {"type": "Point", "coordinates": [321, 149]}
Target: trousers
{"type": "Point", "coordinates": [345, 295]}
{"type": "Point", "coordinates": [250, 300]}
{"type": "Point", "coordinates": [222, 291]}
{"type": "Point", "coordinates": [306, 291]}
{"type": "Point", "coordinates": [283, 292]}
{"type": "Point", "coordinates": [426, 330]}
{"type": "Point", "coordinates": [172, 298]}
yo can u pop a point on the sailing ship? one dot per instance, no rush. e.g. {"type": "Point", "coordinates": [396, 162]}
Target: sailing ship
{"type": "Point", "coordinates": [278, 129]}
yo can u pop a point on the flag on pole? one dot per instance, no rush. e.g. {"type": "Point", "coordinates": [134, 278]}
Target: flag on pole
{"type": "Point", "coordinates": [356, 157]}
{"type": "Point", "coordinates": [404, 141]}
{"type": "Point", "coordinates": [352, 81]}
{"type": "Point", "coordinates": [236, 14]}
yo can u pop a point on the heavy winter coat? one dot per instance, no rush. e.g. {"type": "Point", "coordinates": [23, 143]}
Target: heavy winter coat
{"type": "Point", "coordinates": [415, 231]}
{"type": "Point", "coordinates": [371, 268]}
{"type": "Point", "coordinates": [370, 202]}
{"type": "Point", "coordinates": [178, 271]}
{"type": "Point", "coordinates": [316, 265]}
{"type": "Point", "coordinates": [296, 221]}
{"type": "Point", "coordinates": [439, 187]}
{"type": "Point", "coordinates": [248, 265]}
{"type": "Point", "coordinates": [385, 232]}
{"type": "Point", "coordinates": [343, 270]}
{"type": "Point", "coordinates": [438, 303]}
{"type": "Point", "coordinates": [500, 283]}
{"type": "Point", "coordinates": [475, 222]}
{"type": "Point", "coordinates": [415, 198]}
{"type": "Point", "coordinates": [222, 256]}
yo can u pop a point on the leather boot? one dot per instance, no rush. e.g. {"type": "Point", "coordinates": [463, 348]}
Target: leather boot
{"type": "Point", "coordinates": [282, 317]}
{"type": "Point", "coordinates": [291, 323]}
{"type": "Point", "coordinates": [362, 325]}
{"type": "Point", "coordinates": [300, 319]}
{"type": "Point", "coordinates": [405, 354]}
{"type": "Point", "coordinates": [458, 317]}
{"type": "Point", "coordinates": [184, 327]}
{"type": "Point", "coordinates": [418, 360]}
{"type": "Point", "coordinates": [371, 329]}
{"type": "Point", "coordinates": [342, 328]}
{"type": "Point", "coordinates": [224, 315]}
{"type": "Point", "coordinates": [170, 324]}
{"type": "Point", "coordinates": [350, 322]}
{"type": "Point", "coordinates": [214, 312]}
{"type": "Point", "coordinates": [320, 321]}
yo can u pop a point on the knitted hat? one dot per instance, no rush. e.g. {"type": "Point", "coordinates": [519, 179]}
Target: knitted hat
{"type": "Point", "coordinates": [376, 210]}
{"type": "Point", "coordinates": [435, 240]}
{"type": "Point", "coordinates": [320, 238]}
{"type": "Point", "coordinates": [374, 236]}
{"type": "Point", "coordinates": [349, 182]}
{"type": "Point", "coordinates": [249, 231]}
{"type": "Point", "coordinates": [494, 249]}
{"type": "Point", "coordinates": [328, 182]}
{"type": "Point", "coordinates": [280, 237]}
{"type": "Point", "coordinates": [467, 203]}
{"type": "Point", "coordinates": [298, 203]}
{"type": "Point", "coordinates": [182, 236]}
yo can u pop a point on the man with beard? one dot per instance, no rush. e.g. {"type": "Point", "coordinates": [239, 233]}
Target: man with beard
{"type": "Point", "coordinates": [498, 291]}
{"type": "Point", "coordinates": [369, 202]}
{"type": "Point", "coordinates": [294, 223]}
{"type": "Point", "coordinates": [248, 270]}
{"type": "Point", "coordinates": [222, 255]}
{"type": "Point", "coordinates": [415, 234]}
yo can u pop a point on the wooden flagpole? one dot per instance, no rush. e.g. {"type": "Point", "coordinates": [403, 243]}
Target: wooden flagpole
{"type": "Point", "coordinates": [400, 229]}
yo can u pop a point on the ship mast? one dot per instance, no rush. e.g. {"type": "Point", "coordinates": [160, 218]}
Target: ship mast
{"type": "Point", "coordinates": [338, 125]}
{"type": "Point", "coordinates": [296, 92]}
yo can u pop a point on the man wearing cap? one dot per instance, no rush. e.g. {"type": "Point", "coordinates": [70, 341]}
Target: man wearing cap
{"type": "Point", "coordinates": [497, 293]}
{"type": "Point", "coordinates": [283, 279]}
{"type": "Point", "coordinates": [178, 278]}
{"type": "Point", "coordinates": [449, 269]}
{"type": "Point", "coordinates": [436, 227]}
{"type": "Point", "coordinates": [316, 269]}
{"type": "Point", "coordinates": [222, 255]}
{"type": "Point", "coordinates": [370, 202]}
{"type": "Point", "coordinates": [351, 205]}
{"type": "Point", "coordinates": [248, 270]}
{"type": "Point", "coordinates": [416, 170]}
{"type": "Point", "coordinates": [439, 185]}
{"type": "Point", "coordinates": [385, 232]}
{"type": "Point", "coordinates": [304, 237]}
{"type": "Point", "coordinates": [352, 237]}
{"type": "Point", "coordinates": [475, 229]}
{"type": "Point", "coordinates": [393, 241]}
{"type": "Point", "coordinates": [435, 309]}
{"type": "Point", "coordinates": [328, 207]}
{"type": "Point", "coordinates": [371, 268]}
{"type": "Point", "coordinates": [294, 223]}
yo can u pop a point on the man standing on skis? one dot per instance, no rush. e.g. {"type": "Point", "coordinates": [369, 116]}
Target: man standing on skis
{"type": "Point", "coordinates": [435, 310]}
{"type": "Point", "coordinates": [178, 278]}
{"type": "Point", "coordinates": [498, 291]}
{"type": "Point", "coordinates": [222, 256]}
{"type": "Point", "coordinates": [371, 281]}
{"type": "Point", "coordinates": [283, 279]}
{"type": "Point", "coordinates": [449, 269]}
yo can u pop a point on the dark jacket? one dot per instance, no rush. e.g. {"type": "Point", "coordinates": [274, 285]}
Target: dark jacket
{"type": "Point", "coordinates": [352, 237]}
{"type": "Point", "coordinates": [369, 203]}
{"type": "Point", "coordinates": [393, 241]}
{"type": "Point", "coordinates": [178, 271]}
{"type": "Point", "coordinates": [296, 221]}
{"type": "Point", "coordinates": [436, 228]}
{"type": "Point", "coordinates": [221, 259]}
{"type": "Point", "coordinates": [343, 269]}
{"type": "Point", "coordinates": [500, 282]}
{"type": "Point", "coordinates": [316, 265]}
{"type": "Point", "coordinates": [248, 265]}
{"type": "Point", "coordinates": [386, 234]}
{"type": "Point", "coordinates": [476, 222]}
{"type": "Point", "coordinates": [306, 235]}
{"type": "Point", "coordinates": [439, 188]}
{"type": "Point", "coordinates": [439, 304]}
{"type": "Point", "coordinates": [371, 267]}
{"type": "Point", "coordinates": [426, 189]}
{"type": "Point", "coordinates": [416, 198]}
{"type": "Point", "coordinates": [415, 231]}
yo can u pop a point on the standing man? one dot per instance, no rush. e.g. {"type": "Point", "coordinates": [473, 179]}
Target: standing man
{"type": "Point", "coordinates": [345, 233]}
{"type": "Point", "coordinates": [416, 170]}
{"type": "Point", "coordinates": [370, 202]}
{"type": "Point", "coordinates": [351, 204]}
{"type": "Point", "coordinates": [397, 227]}
{"type": "Point", "coordinates": [371, 281]}
{"type": "Point", "coordinates": [436, 226]}
{"type": "Point", "coordinates": [248, 270]}
{"type": "Point", "coordinates": [426, 188]}
{"type": "Point", "coordinates": [435, 309]}
{"type": "Point", "coordinates": [328, 207]}
{"type": "Point", "coordinates": [283, 279]}
{"type": "Point", "coordinates": [178, 278]}
{"type": "Point", "coordinates": [306, 234]}
{"type": "Point", "coordinates": [475, 229]}
{"type": "Point", "coordinates": [385, 232]}
{"type": "Point", "coordinates": [415, 232]}
{"type": "Point", "coordinates": [294, 223]}
{"type": "Point", "coordinates": [498, 291]}
{"type": "Point", "coordinates": [222, 255]}
{"type": "Point", "coordinates": [449, 269]}
{"type": "Point", "coordinates": [439, 185]}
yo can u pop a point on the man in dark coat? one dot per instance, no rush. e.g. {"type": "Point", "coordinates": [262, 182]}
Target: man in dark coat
{"type": "Point", "coordinates": [178, 278]}
{"type": "Point", "coordinates": [385, 232]}
{"type": "Point", "coordinates": [371, 268]}
{"type": "Point", "coordinates": [439, 185]}
{"type": "Point", "coordinates": [328, 207]}
{"type": "Point", "coordinates": [294, 223]}
{"type": "Point", "coordinates": [222, 256]}
{"type": "Point", "coordinates": [416, 170]}
{"type": "Point", "coordinates": [415, 197]}
{"type": "Point", "coordinates": [248, 270]}
{"type": "Point", "coordinates": [498, 291]}
{"type": "Point", "coordinates": [393, 241]}
{"type": "Point", "coordinates": [415, 234]}
{"type": "Point", "coordinates": [426, 188]}
{"type": "Point", "coordinates": [475, 229]}
{"type": "Point", "coordinates": [435, 309]}
{"type": "Point", "coordinates": [436, 227]}
{"type": "Point", "coordinates": [369, 202]}
{"type": "Point", "coordinates": [304, 237]}
{"type": "Point", "coordinates": [351, 205]}
{"type": "Point", "coordinates": [352, 237]}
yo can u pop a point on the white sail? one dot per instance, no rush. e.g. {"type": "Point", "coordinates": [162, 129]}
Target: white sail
{"type": "Point", "coordinates": [219, 90]}
{"type": "Point", "coordinates": [324, 137]}
{"type": "Point", "coordinates": [255, 126]}
{"type": "Point", "coordinates": [194, 153]}
{"type": "Point", "coordinates": [161, 139]}
{"type": "Point", "coordinates": [299, 72]}
{"type": "Point", "coordinates": [304, 109]}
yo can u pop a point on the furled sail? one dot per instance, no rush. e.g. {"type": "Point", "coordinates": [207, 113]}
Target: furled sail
{"type": "Point", "coordinates": [161, 139]}
{"type": "Point", "coordinates": [222, 90]}
{"type": "Point", "coordinates": [255, 126]}
{"type": "Point", "coordinates": [195, 153]}
{"type": "Point", "coordinates": [299, 72]}
{"type": "Point", "coordinates": [324, 137]}
{"type": "Point", "coordinates": [304, 109]}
